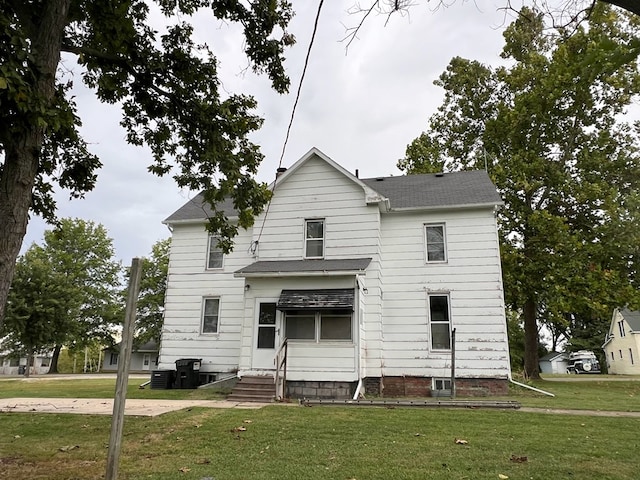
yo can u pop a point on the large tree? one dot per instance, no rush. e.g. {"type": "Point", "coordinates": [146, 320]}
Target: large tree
{"type": "Point", "coordinates": [83, 277]}
{"type": "Point", "coordinates": [549, 128]}
{"type": "Point", "coordinates": [167, 86]}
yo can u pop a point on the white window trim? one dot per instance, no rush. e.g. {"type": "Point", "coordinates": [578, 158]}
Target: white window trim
{"type": "Point", "coordinates": [450, 322]}
{"type": "Point", "coordinates": [211, 239]}
{"type": "Point", "coordinates": [444, 239]}
{"type": "Point", "coordinates": [443, 380]}
{"type": "Point", "coordinates": [204, 301]}
{"type": "Point", "coordinates": [304, 237]}
{"type": "Point", "coordinates": [317, 330]}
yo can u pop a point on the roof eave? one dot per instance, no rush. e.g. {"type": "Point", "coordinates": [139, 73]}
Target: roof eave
{"type": "Point", "coordinates": [465, 206]}
{"type": "Point", "coordinates": [321, 273]}
{"type": "Point", "coordinates": [187, 221]}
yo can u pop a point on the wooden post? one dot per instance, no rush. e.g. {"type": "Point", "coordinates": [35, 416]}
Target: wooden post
{"type": "Point", "coordinates": [453, 363]}
{"type": "Point", "coordinates": [124, 359]}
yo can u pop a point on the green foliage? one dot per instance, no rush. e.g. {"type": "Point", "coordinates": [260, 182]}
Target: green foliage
{"type": "Point", "coordinates": [65, 292]}
{"type": "Point", "coordinates": [549, 129]}
{"type": "Point", "coordinates": [153, 285]}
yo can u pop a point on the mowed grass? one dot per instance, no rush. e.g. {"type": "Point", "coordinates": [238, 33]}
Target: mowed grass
{"type": "Point", "coordinates": [96, 388]}
{"type": "Point", "coordinates": [292, 442]}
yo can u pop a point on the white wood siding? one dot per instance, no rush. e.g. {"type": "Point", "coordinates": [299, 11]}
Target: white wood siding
{"type": "Point", "coordinates": [625, 350]}
{"type": "Point", "coordinates": [188, 283]}
{"type": "Point", "coordinates": [471, 277]}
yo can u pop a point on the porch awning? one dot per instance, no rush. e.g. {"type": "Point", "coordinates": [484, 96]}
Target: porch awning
{"type": "Point", "coordinates": [304, 268]}
{"type": "Point", "coordinates": [324, 299]}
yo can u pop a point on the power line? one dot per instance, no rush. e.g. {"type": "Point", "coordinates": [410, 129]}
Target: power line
{"type": "Point", "coordinates": [255, 243]}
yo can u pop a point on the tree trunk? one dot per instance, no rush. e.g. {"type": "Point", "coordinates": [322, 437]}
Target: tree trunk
{"type": "Point", "coordinates": [531, 368]}
{"type": "Point", "coordinates": [53, 367]}
{"type": "Point", "coordinates": [22, 150]}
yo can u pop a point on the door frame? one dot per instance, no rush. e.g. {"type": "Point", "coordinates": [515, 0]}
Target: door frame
{"type": "Point", "coordinates": [262, 359]}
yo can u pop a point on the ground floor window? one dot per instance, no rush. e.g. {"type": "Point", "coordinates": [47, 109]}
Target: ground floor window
{"type": "Point", "coordinates": [113, 360]}
{"type": "Point", "coordinates": [329, 325]}
{"type": "Point", "coordinates": [440, 322]}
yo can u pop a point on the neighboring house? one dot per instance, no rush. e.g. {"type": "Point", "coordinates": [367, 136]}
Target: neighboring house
{"type": "Point", "coordinates": [554, 362]}
{"type": "Point", "coordinates": [366, 278]}
{"type": "Point", "coordinates": [10, 365]}
{"type": "Point", "coordinates": [143, 358]}
{"type": "Point", "coordinates": [622, 344]}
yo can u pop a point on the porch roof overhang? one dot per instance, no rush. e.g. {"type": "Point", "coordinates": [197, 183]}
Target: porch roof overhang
{"type": "Point", "coordinates": [318, 299]}
{"type": "Point", "coordinates": [297, 268]}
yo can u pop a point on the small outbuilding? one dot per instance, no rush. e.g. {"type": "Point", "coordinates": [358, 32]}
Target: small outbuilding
{"type": "Point", "coordinates": [554, 362]}
{"type": "Point", "coordinates": [144, 357]}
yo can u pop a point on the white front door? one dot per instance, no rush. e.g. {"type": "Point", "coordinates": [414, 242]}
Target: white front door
{"type": "Point", "coordinates": [146, 361]}
{"type": "Point", "coordinates": [266, 335]}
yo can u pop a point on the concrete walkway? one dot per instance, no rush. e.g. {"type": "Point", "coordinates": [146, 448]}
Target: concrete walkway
{"type": "Point", "coordinates": [104, 406]}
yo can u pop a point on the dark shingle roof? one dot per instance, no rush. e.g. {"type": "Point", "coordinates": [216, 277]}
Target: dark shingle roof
{"type": "Point", "coordinates": [198, 209]}
{"type": "Point", "coordinates": [306, 266]}
{"type": "Point", "coordinates": [632, 318]}
{"type": "Point", "coordinates": [407, 191]}
{"type": "Point", "coordinates": [437, 190]}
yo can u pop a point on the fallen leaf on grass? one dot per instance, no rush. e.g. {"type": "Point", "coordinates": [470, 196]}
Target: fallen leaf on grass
{"type": "Point", "coordinates": [461, 441]}
{"type": "Point", "coordinates": [516, 459]}
{"type": "Point", "coordinates": [502, 477]}
{"type": "Point", "coordinates": [198, 425]}
{"type": "Point", "coordinates": [184, 469]}
{"type": "Point", "coordinates": [239, 429]}
{"type": "Point", "coordinates": [203, 461]}
{"type": "Point", "coordinates": [247, 421]}
{"type": "Point", "coordinates": [66, 448]}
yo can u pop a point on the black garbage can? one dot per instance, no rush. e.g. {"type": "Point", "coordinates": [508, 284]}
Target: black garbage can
{"type": "Point", "coordinates": [187, 373]}
{"type": "Point", "coordinates": [162, 379]}
{"type": "Point", "coordinates": [22, 369]}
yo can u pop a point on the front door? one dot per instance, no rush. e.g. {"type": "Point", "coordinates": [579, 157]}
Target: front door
{"type": "Point", "coordinates": [265, 338]}
{"type": "Point", "coordinates": [146, 361]}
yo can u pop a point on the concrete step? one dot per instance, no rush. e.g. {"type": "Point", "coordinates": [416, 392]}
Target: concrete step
{"type": "Point", "coordinates": [254, 389]}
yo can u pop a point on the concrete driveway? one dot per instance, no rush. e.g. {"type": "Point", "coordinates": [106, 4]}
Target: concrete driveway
{"type": "Point", "coordinates": [104, 406]}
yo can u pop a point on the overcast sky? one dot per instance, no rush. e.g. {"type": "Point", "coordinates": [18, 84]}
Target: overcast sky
{"type": "Point", "coordinates": [361, 107]}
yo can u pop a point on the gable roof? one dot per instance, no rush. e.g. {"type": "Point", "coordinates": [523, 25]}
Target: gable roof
{"type": "Point", "coordinates": [405, 192]}
{"type": "Point", "coordinates": [551, 356]}
{"type": "Point", "coordinates": [632, 318]}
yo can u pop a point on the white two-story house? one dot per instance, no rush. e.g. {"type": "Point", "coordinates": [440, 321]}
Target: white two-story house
{"type": "Point", "coordinates": [366, 279]}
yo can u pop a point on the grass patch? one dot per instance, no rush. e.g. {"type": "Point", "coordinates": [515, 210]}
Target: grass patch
{"type": "Point", "coordinates": [580, 395]}
{"type": "Point", "coordinates": [323, 443]}
{"type": "Point", "coordinates": [97, 388]}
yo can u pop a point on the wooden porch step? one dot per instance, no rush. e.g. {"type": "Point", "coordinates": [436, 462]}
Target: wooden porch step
{"type": "Point", "coordinates": [254, 389]}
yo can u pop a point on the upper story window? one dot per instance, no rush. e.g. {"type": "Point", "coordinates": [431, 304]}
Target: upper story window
{"type": "Point", "coordinates": [621, 328]}
{"type": "Point", "coordinates": [314, 238]}
{"type": "Point", "coordinates": [436, 243]}
{"type": "Point", "coordinates": [440, 322]}
{"type": "Point", "coordinates": [214, 253]}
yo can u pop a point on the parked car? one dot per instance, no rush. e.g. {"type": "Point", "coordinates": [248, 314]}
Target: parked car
{"type": "Point", "coordinates": [583, 361]}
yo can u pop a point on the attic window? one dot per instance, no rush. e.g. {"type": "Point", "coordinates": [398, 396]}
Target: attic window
{"type": "Point", "coordinates": [314, 238]}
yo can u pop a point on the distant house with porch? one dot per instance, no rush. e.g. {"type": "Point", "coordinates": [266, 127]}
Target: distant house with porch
{"type": "Point", "coordinates": [143, 358]}
{"type": "Point", "coordinates": [16, 365]}
{"type": "Point", "coordinates": [366, 279]}
{"type": "Point", "coordinates": [622, 344]}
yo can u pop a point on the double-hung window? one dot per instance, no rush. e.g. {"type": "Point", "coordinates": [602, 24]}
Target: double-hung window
{"type": "Point", "coordinates": [329, 325]}
{"type": "Point", "coordinates": [314, 238]}
{"type": "Point", "coordinates": [436, 243]}
{"type": "Point", "coordinates": [621, 328]}
{"type": "Point", "coordinates": [210, 315]}
{"type": "Point", "coordinates": [440, 322]}
{"type": "Point", "coordinates": [214, 254]}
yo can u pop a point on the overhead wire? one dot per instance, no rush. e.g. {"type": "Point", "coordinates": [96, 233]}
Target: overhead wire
{"type": "Point", "coordinates": [255, 243]}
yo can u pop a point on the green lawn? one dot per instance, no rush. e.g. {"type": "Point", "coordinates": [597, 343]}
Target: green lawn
{"type": "Point", "coordinates": [323, 443]}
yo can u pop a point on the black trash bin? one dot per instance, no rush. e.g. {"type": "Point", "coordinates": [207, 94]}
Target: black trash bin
{"type": "Point", "coordinates": [187, 373]}
{"type": "Point", "coordinates": [22, 369]}
{"type": "Point", "coordinates": [162, 379]}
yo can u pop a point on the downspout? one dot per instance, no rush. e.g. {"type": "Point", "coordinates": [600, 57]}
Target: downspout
{"type": "Point", "coordinates": [356, 395]}
{"type": "Point", "coordinates": [529, 386]}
